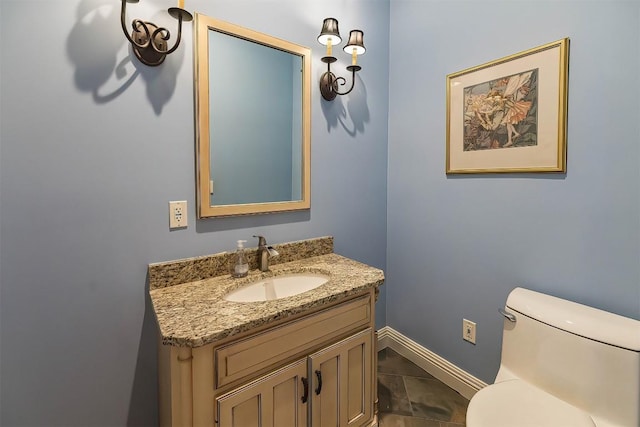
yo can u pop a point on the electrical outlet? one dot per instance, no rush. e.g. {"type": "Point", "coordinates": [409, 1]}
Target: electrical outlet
{"type": "Point", "coordinates": [177, 214]}
{"type": "Point", "coordinates": [469, 331]}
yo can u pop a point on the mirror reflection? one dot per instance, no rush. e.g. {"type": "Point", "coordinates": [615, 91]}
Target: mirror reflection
{"type": "Point", "coordinates": [253, 116]}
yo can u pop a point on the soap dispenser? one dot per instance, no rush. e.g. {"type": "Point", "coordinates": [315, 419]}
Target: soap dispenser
{"type": "Point", "coordinates": [240, 267]}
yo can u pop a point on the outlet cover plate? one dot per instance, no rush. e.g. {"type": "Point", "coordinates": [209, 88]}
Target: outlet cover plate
{"type": "Point", "coordinates": [177, 214]}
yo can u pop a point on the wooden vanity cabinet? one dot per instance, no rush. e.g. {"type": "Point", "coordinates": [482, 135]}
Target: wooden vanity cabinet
{"type": "Point", "coordinates": [315, 370]}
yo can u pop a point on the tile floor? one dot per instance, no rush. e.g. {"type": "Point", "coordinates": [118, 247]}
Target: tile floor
{"type": "Point", "coordinates": [410, 397]}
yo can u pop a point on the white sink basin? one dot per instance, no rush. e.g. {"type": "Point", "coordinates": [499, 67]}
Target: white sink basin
{"type": "Point", "coordinates": [277, 287]}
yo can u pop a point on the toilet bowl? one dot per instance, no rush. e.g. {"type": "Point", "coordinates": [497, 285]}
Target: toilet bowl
{"type": "Point", "coordinates": [563, 364]}
{"type": "Point", "coordinates": [516, 403]}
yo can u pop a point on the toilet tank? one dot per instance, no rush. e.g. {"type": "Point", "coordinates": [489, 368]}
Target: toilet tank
{"type": "Point", "coordinates": [587, 357]}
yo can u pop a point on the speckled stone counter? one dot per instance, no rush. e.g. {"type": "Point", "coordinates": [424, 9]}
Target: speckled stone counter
{"type": "Point", "coordinates": [194, 313]}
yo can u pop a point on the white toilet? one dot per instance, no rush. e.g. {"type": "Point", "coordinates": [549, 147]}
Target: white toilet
{"type": "Point", "coordinates": [563, 365]}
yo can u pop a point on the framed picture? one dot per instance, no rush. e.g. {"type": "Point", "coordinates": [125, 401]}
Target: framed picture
{"type": "Point", "coordinates": [510, 115]}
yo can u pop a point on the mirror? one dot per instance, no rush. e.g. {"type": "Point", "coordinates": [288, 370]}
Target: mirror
{"type": "Point", "coordinates": [253, 117]}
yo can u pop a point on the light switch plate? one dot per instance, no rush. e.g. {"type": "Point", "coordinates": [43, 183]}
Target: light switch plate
{"type": "Point", "coordinates": [469, 331]}
{"type": "Point", "coordinates": [177, 214]}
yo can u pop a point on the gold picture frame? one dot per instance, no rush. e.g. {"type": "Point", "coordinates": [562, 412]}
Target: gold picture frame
{"type": "Point", "coordinates": [510, 115]}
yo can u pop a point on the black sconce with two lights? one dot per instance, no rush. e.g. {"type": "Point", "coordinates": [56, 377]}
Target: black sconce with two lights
{"type": "Point", "coordinates": [149, 42]}
{"type": "Point", "coordinates": [330, 36]}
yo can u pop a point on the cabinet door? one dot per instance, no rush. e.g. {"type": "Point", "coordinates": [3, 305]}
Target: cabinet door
{"type": "Point", "coordinates": [274, 400]}
{"type": "Point", "coordinates": [342, 382]}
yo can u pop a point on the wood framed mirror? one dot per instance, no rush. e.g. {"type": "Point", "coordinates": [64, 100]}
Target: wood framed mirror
{"type": "Point", "coordinates": [253, 121]}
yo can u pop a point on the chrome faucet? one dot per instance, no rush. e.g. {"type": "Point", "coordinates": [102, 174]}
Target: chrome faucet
{"type": "Point", "coordinates": [264, 252]}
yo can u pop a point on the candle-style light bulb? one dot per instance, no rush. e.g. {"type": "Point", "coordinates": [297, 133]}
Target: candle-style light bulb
{"type": "Point", "coordinates": [181, 4]}
{"type": "Point", "coordinates": [329, 50]}
{"type": "Point", "coordinates": [354, 56]}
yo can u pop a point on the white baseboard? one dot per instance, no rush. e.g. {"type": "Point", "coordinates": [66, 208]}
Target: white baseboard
{"type": "Point", "coordinates": [459, 380]}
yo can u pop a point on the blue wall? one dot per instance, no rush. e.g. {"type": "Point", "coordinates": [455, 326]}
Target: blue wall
{"type": "Point", "coordinates": [457, 245]}
{"type": "Point", "coordinates": [93, 147]}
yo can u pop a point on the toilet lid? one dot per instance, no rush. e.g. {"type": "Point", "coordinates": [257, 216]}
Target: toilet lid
{"type": "Point", "coordinates": [516, 403]}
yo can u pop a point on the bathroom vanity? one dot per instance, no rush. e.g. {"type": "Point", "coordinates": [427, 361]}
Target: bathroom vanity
{"type": "Point", "coordinates": [301, 360]}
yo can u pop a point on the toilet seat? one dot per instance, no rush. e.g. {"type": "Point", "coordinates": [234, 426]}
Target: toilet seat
{"type": "Point", "coordinates": [516, 403]}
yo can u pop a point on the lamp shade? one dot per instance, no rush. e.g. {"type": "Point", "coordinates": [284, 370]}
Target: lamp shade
{"type": "Point", "coordinates": [355, 42]}
{"type": "Point", "coordinates": [330, 31]}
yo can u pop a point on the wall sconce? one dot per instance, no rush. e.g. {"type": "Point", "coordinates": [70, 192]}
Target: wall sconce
{"type": "Point", "coordinates": [149, 41]}
{"type": "Point", "coordinates": [330, 36]}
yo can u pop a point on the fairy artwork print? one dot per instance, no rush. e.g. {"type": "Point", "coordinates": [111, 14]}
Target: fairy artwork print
{"type": "Point", "coordinates": [509, 115]}
{"type": "Point", "coordinates": [501, 113]}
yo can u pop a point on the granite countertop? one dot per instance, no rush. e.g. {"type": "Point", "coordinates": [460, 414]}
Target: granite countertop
{"type": "Point", "coordinates": [194, 314]}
